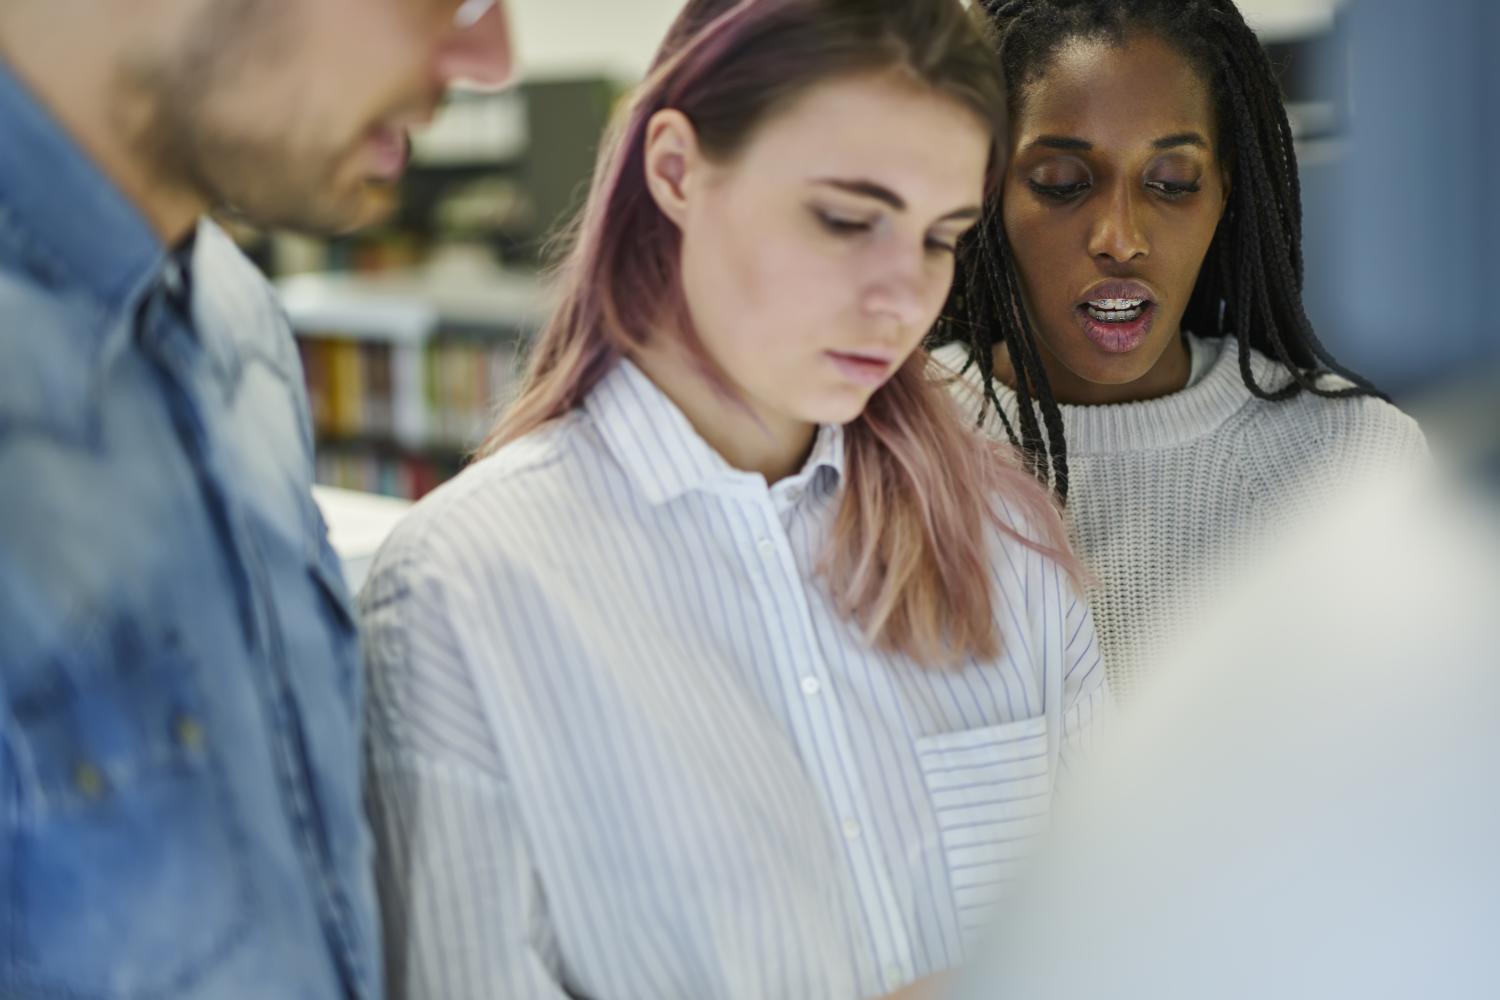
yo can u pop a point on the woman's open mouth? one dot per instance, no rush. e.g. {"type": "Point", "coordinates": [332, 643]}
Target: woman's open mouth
{"type": "Point", "coordinates": [1117, 319]}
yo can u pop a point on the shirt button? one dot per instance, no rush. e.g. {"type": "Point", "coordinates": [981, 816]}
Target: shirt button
{"type": "Point", "coordinates": [188, 732]}
{"type": "Point", "coordinates": [810, 685]}
{"type": "Point", "coordinates": [851, 829]}
{"type": "Point", "coordinates": [765, 546]}
{"type": "Point", "coordinates": [894, 976]}
{"type": "Point", "coordinates": [88, 779]}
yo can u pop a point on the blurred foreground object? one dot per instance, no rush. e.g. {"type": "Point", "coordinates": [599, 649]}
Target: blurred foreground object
{"type": "Point", "coordinates": [1308, 807]}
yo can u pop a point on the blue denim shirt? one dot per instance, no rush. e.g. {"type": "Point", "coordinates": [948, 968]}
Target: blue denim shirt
{"type": "Point", "coordinates": [179, 673]}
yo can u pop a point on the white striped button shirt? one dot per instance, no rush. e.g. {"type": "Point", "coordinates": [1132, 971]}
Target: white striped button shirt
{"type": "Point", "coordinates": [621, 745]}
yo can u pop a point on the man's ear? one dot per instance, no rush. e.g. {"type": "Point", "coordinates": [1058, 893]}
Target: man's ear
{"type": "Point", "coordinates": [673, 162]}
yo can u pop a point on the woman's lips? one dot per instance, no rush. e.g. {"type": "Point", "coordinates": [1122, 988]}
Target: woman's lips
{"type": "Point", "coordinates": [862, 369]}
{"type": "Point", "coordinates": [1117, 338]}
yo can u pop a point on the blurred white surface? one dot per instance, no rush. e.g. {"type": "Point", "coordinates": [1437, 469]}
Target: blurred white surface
{"type": "Point", "coordinates": [1309, 808]}
{"type": "Point", "coordinates": [411, 305]}
{"type": "Point", "coordinates": [1280, 20]}
{"type": "Point", "coordinates": [357, 524]}
{"type": "Point", "coordinates": [618, 38]}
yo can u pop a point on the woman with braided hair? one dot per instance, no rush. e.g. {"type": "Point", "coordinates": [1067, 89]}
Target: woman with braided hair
{"type": "Point", "coordinates": [1130, 312]}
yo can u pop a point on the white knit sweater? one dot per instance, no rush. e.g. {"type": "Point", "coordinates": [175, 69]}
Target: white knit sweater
{"type": "Point", "coordinates": [1169, 497]}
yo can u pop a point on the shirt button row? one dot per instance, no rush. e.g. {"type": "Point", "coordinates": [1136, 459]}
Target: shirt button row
{"type": "Point", "coordinates": [89, 779]}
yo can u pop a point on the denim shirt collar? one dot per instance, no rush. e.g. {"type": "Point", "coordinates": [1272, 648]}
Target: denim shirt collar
{"type": "Point", "coordinates": [77, 230]}
{"type": "Point", "coordinates": [86, 251]}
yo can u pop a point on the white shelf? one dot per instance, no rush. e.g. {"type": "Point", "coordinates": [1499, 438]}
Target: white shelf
{"type": "Point", "coordinates": [473, 129]}
{"type": "Point", "coordinates": [411, 306]}
{"type": "Point", "coordinates": [342, 304]}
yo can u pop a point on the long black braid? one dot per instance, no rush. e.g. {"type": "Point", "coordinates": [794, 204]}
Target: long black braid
{"type": "Point", "coordinates": [1250, 283]}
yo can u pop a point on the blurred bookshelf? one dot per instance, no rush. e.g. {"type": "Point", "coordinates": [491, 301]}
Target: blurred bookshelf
{"type": "Point", "coordinates": [407, 370]}
{"type": "Point", "coordinates": [411, 333]}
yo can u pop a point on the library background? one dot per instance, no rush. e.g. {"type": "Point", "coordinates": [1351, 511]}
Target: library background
{"type": "Point", "coordinates": [411, 333]}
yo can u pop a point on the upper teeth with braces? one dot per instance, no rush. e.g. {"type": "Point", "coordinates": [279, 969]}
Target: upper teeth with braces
{"type": "Point", "coordinates": [1116, 310]}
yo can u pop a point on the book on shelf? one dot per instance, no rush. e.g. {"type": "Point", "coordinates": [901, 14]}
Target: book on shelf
{"type": "Point", "coordinates": [401, 390]}
{"type": "Point", "coordinates": [389, 473]}
{"type": "Point", "coordinates": [436, 399]}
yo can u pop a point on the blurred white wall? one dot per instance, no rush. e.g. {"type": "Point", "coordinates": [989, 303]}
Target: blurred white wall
{"type": "Point", "coordinates": [618, 37]}
{"type": "Point", "coordinates": [589, 37]}
{"type": "Point", "coordinates": [1305, 806]}
{"type": "Point", "coordinates": [1278, 20]}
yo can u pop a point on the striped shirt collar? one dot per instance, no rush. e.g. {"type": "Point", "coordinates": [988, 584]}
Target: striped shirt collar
{"type": "Point", "coordinates": [656, 444]}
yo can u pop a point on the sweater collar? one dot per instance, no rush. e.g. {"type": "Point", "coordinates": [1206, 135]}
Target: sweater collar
{"type": "Point", "coordinates": [1167, 422]}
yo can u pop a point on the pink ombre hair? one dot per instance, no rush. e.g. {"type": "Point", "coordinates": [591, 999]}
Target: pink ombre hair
{"type": "Point", "coordinates": [909, 558]}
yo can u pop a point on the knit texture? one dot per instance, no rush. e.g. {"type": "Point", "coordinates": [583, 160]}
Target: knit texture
{"type": "Point", "coordinates": [1171, 497]}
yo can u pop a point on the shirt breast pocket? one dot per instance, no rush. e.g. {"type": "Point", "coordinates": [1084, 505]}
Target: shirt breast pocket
{"type": "Point", "coordinates": [129, 875]}
{"type": "Point", "coordinates": [991, 794]}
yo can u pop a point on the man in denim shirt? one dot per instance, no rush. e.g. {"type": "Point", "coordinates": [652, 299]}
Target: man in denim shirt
{"type": "Point", "coordinates": [179, 677]}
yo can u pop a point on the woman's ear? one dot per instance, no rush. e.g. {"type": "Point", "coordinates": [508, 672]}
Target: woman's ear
{"type": "Point", "coordinates": [673, 161]}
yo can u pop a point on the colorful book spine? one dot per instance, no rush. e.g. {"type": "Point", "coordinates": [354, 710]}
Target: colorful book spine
{"type": "Point", "coordinates": [401, 417]}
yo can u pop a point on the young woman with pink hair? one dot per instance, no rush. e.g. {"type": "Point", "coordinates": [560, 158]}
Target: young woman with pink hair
{"type": "Point", "coordinates": [739, 665]}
